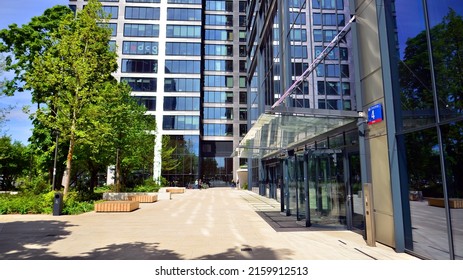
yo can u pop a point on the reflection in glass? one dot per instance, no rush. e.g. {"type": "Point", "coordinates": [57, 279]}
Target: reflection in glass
{"type": "Point", "coordinates": [446, 40]}
{"type": "Point", "coordinates": [428, 222]}
{"type": "Point", "coordinates": [453, 151]}
{"type": "Point", "coordinates": [414, 69]}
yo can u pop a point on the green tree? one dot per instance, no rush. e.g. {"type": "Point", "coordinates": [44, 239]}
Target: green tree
{"type": "Point", "coordinates": [73, 69]}
{"type": "Point", "coordinates": [13, 162]}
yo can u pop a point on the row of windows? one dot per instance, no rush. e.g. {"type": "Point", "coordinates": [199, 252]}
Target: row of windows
{"type": "Point", "coordinates": [335, 104]}
{"type": "Point", "coordinates": [180, 123]}
{"type": "Point", "coordinates": [218, 65]}
{"type": "Point", "coordinates": [221, 20]}
{"type": "Point", "coordinates": [335, 54]}
{"type": "Point", "coordinates": [139, 66]}
{"type": "Point", "coordinates": [141, 30]}
{"type": "Point", "coordinates": [182, 48]}
{"type": "Point", "coordinates": [325, 35]}
{"type": "Point", "coordinates": [333, 70]}
{"type": "Point", "coordinates": [183, 31]}
{"type": "Point", "coordinates": [141, 84]}
{"type": "Point", "coordinates": [181, 104]}
{"type": "Point", "coordinates": [132, 47]}
{"type": "Point", "coordinates": [141, 1]}
{"type": "Point", "coordinates": [183, 66]}
{"type": "Point", "coordinates": [218, 129]}
{"type": "Point", "coordinates": [186, 49]}
{"type": "Point", "coordinates": [219, 5]}
{"type": "Point", "coordinates": [183, 14]}
{"type": "Point", "coordinates": [329, 19]}
{"type": "Point", "coordinates": [218, 97]}
{"type": "Point", "coordinates": [149, 13]}
{"type": "Point", "coordinates": [182, 84]}
{"type": "Point", "coordinates": [177, 84]}
{"type": "Point", "coordinates": [333, 88]}
{"type": "Point", "coordinates": [220, 35]}
{"type": "Point", "coordinates": [218, 113]}
{"type": "Point", "coordinates": [148, 101]}
{"type": "Point", "coordinates": [184, 1]}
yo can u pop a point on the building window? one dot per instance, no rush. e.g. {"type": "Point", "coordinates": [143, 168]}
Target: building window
{"type": "Point", "coordinates": [141, 84]}
{"type": "Point", "coordinates": [142, 1]}
{"type": "Point", "coordinates": [218, 97]}
{"type": "Point", "coordinates": [301, 103]}
{"type": "Point", "coordinates": [183, 31]}
{"type": "Point", "coordinates": [141, 30]}
{"type": "Point", "coordinates": [218, 129]}
{"type": "Point", "coordinates": [243, 52]}
{"type": "Point", "coordinates": [183, 14]}
{"type": "Point", "coordinates": [219, 20]}
{"type": "Point", "coordinates": [148, 13]}
{"type": "Point", "coordinates": [148, 101]}
{"type": "Point", "coordinates": [335, 54]}
{"type": "Point", "coordinates": [243, 129]}
{"type": "Point", "coordinates": [181, 103]}
{"type": "Point", "coordinates": [139, 66]}
{"type": "Point", "coordinates": [243, 81]}
{"type": "Point", "coordinates": [333, 88]}
{"type": "Point", "coordinates": [184, 1]}
{"type": "Point", "coordinates": [297, 18]}
{"type": "Point", "coordinates": [112, 26]}
{"type": "Point", "coordinates": [299, 35]}
{"type": "Point", "coordinates": [112, 11]}
{"type": "Point", "coordinates": [333, 70]}
{"type": "Point", "coordinates": [181, 85]}
{"type": "Point", "coordinates": [297, 51]}
{"type": "Point", "coordinates": [218, 113]}
{"type": "Point", "coordinates": [328, 4]}
{"type": "Point", "coordinates": [218, 65]}
{"type": "Point", "coordinates": [243, 97]}
{"type": "Point", "coordinates": [180, 123]}
{"type": "Point", "coordinates": [182, 48]}
{"type": "Point", "coordinates": [183, 66]}
{"type": "Point", "coordinates": [219, 5]}
{"type": "Point", "coordinates": [219, 35]}
{"type": "Point", "coordinates": [242, 7]}
{"type": "Point", "coordinates": [132, 47]}
{"type": "Point", "coordinates": [219, 50]}
{"type": "Point", "coordinates": [218, 81]}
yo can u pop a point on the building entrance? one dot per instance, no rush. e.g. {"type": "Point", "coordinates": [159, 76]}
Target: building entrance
{"type": "Point", "coordinates": [324, 188]}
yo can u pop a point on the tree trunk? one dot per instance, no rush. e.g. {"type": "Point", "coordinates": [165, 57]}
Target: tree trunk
{"type": "Point", "coordinates": [67, 172]}
{"type": "Point", "coordinates": [118, 172]}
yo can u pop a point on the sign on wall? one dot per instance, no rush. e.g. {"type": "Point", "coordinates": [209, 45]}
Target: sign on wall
{"type": "Point", "coordinates": [375, 114]}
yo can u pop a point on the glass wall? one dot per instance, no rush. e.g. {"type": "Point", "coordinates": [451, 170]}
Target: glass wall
{"type": "Point", "coordinates": [430, 91]}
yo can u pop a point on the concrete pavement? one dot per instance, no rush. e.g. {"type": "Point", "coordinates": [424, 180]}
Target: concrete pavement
{"type": "Point", "coordinates": [211, 224]}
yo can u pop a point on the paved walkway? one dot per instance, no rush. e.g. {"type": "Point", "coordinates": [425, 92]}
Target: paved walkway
{"type": "Point", "coordinates": [212, 224]}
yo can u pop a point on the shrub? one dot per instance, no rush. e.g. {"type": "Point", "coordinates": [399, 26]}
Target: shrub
{"type": "Point", "coordinates": [148, 186]}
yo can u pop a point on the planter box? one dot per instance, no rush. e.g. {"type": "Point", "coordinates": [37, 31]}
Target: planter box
{"type": "Point", "coordinates": [456, 203]}
{"type": "Point", "coordinates": [143, 198]}
{"type": "Point", "coordinates": [116, 206]}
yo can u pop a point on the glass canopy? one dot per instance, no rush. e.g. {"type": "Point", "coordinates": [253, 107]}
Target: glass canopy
{"type": "Point", "coordinates": [276, 132]}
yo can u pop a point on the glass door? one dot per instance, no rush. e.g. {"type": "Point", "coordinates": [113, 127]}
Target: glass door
{"type": "Point", "coordinates": [327, 191]}
{"type": "Point", "coordinates": [355, 193]}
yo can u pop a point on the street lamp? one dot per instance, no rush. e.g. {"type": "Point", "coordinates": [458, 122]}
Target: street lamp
{"type": "Point", "coordinates": [55, 133]}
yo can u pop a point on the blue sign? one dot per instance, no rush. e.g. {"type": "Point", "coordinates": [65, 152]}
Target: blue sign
{"type": "Point", "coordinates": [375, 114]}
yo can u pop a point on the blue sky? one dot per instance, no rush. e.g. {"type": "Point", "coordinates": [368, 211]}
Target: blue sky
{"type": "Point", "coordinates": [18, 125]}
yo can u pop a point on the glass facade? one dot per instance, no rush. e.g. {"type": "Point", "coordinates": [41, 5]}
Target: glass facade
{"type": "Point", "coordinates": [429, 91]}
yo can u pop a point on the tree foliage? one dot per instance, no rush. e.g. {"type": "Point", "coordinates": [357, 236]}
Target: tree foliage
{"type": "Point", "coordinates": [13, 162]}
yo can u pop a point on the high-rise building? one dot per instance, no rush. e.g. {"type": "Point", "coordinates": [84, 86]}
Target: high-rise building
{"type": "Point", "coordinates": [186, 62]}
{"type": "Point", "coordinates": [387, 161]}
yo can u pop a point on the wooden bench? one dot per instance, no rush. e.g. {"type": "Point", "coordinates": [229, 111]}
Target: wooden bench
{"type": "Point", "coordinates": [175, 190]}
{"type": "Point", "coordinates": [116, 206]}
{"type": "Point", "coordinates": [143, 198]}
{"type": "Point", "coordinates": [456, 203]}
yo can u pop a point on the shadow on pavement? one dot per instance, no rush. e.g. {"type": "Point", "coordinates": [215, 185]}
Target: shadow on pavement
{"type": "Point", "coordinates": [29, 240]}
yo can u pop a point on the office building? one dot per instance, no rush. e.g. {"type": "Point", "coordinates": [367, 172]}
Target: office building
{"type": "Point", "coordinates": [371, 140]}
{"type": "Point", "coordinates": [186, 62]}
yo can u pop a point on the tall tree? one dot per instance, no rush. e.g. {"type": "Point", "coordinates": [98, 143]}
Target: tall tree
{"type": "Point", "coordinates": [73, 69]}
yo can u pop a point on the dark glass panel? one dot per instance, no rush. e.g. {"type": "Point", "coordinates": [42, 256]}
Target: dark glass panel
{"type": "Point", "coordinates": [446, 20]}
{"type": "Point", "coordinates": [428, 222]}
{"type": "Point", "coordinates": [414, 69]}
{"type": "Point", "coordinates": [452, 135]}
